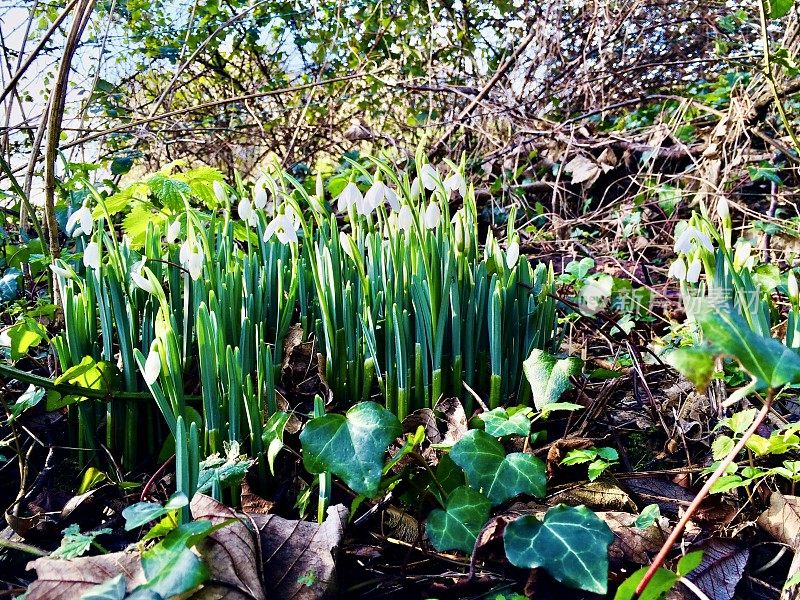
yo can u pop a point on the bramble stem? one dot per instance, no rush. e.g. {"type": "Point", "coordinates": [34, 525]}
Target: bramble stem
{"type": "Point", "coordinates": [701, 495]}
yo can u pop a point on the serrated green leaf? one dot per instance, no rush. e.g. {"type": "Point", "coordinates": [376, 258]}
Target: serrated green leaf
{"type": "Point", "coordinates": [170, 191]}
{"type": "Point", "coordinates": [721, 446]}
{"type": "Point", "coordinates": [496, 475]}
{"type": "Point", "coordinates": [696, 364]}
{"type": "Point", "coordinates": [662, 582]}
{"type": "Point", "coordinates": [457, 527]}
{"type": "Point", "coordinates": [571, 544]}
{"type": "Point", "coordinates": [351, 446]}
{"type": "Point", "coordinates": [649, 515]}
{"type": "Point", "coordinates": [498, 423]}
{"type": "Point", "coordinates": [549, 376]}
{"type": "Point", "coordinates": [74, 543]}
{"type": "Point", "coordinates": [135, 223]}
{"type": "Point", "coordinates": [689, 562]}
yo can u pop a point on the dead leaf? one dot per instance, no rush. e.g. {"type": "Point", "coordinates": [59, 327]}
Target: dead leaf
{"type": "Point", "coordinates": [633, 544]}
{"type": "Point", "coordinates": [583, 170]}
{"type": "Point", "coordinates": [669, 496]}
{"type": "Point", "coordinates": [252, 502]}
{"type": "Point", "coordinates": [60, 579]}
{"type": "Point", "coordinates": [559, 449]}
{"type": "Point", "coordinates": [423, 417]}
{"type": "Point", "coordinates": [782, 521]}
{"type": "Point", "coordinates": [454, 417]}
{"type": "Point", "coordinates": [599, 495]}
{"type": "Point", "coordinates": [607, 160]}
{"type": "Point", "coordinates": [718, 574]}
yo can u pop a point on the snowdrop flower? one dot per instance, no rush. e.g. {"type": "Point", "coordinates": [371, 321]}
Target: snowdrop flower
{"type": "Point", "coordinates": [344, 241]}
{"type": "Point", "coordinates": [456, 182]}
{"type": "Point", "coordinates": [246, 212]}
{"type": "Point", "coordinates": [83, 219]}
{"type": "Point", "coordinates": [429, 177]}
{"type": "Point", "coordinates": [65, 273]}
{"type": "Point", "coordinates": [374, 196]}
{"type": "Point", "coordinates": [140, 279]}
{"type": "Point", "coordinates": [693, 272]}
{"type": "Point", "coordinates": [192, 257]}
{"type": "Point", "coordinates": [742, 254]}
{"type": "Point", "coordinates": [791, 285]}
{"type": "Point", "coordinates": [433, 215]}
{"type": "Point", "coordinates": [415, 188]}
{"type": "Point", "coordinates": [677, 270]}
{"type": "Point", "coordinates": [91, 255]}
{"type": "Point", "coordinates": [692, 234]}
{"type": "Point", "coordinates": [283, 227]}
{"type": "Point", "coordinates": [723, 210]}
{"type": "Point", "coordinates": [152, 366]}
{"type": "Point", "coordinates": [220, 192]}
{"type": "Point", "coordinates": [405, 218]}
{"type": "Point", "coordinates": [173, 231]}
{"type": "Point", "coordinates": [512, 254]}
{"type": "Point", "coordinates": [260, 195]}
{"type": "Point", "coordinates": [391, 199]}
{"type": "Point", "coordinates": [350, 195]}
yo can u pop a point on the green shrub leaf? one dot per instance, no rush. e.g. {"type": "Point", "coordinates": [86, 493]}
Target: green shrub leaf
{"type": "Point", "coordinates": [457, 527]}
{"type": "Point", "coordinates": [571, 544]}
{"type": "Point", "coordinates": [499, 423]}
{"type": "Point", "coordinates": [498, 476]}
{"type": "Point", "coordinates": [351, 446]}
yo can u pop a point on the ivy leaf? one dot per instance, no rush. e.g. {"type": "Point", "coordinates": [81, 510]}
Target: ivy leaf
{"type": "Point", "coordinates": [9, 285]}
{"type": "Point", "coordinates": [571, 544]}
{"type": "Point", "coordinates": [498, 476]}
{"type": "Point", "coordinates": [142, 513]}
{"type": "Point", "coordinates": [772, 364]}
{"type": "Point", "coordinates": [75, 543]}
{"type": "Point", "coordinates": [272, 437]}
{"type": "Point", "coordinates": [499, 423]}
{"type": "Point", "coordinates": [549, 376]}
{"type": "Point", "coordinates": [457, 527]}
{"type": "Point", "coordinates": [228, 470]}
{"type": "Point", "coordinates": [113, 589]}
{"type": "Point", "coordinates": [351, 446]}
{"type": "Point", "coordinates": [649, 515]}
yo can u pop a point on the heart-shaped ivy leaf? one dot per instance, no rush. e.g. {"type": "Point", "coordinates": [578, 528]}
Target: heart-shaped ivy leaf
{"type": "Point", "coordinates": [571, 544]}
{"type": "Point", "coordinates": [549, 376]}
{"type": "Point", "coordinates": [351, 446]}
{"type": "Point", "coordinates": [500, 422]}
{"type": "Point", "coordinates": [457, 527]}
{"type": "Point", "coordinates": [498, 476]}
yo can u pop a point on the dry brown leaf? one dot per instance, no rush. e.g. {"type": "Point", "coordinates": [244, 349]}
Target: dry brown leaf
{"type": "Point", "coordinates": [60, 579]}
{"type": "Point", "coordinates": [782, 521]}
{"type": "Point", "coordinates": [252, 502]}
{"type": "Point", "coordinates": [598, 495]}
{"type": "Point", "coordinates": [455, 418]}
{"type": "Point", "coordinates": [633, 544]}
{"type": "Point", "coordinates": [583, 170]}
{"type": "Point", "coordinates": [719, 573]}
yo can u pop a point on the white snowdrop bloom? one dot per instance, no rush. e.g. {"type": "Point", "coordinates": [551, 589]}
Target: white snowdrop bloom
{"type": "Point", "coordinates": [260, 196]}
{"type": "Point", "coordinates": [415, 188]}
{"type": "Point", "coordinates": [152, 366]}
{"type": "Point", "coordinates": [704, 240]}
{"type": "Point", "coordinates": [283, 228]}
{"type": "Point", "coordinates": [140, 279]}
{"type": "Point", "coordinates": [429, 177]}
{"type": "Point", "coordinates": [65, 273]}
{"type": "Point", "coordinates": [693, 272]}
{"type": "Point", "coordinates": [723, 209]}
{"type": "Point", "coordinates": [192, 257]}
{"type": "Point", "coordinates": [677, 270]}
{"type": "Point", "coordinates": [220, 192]}
{"type": "Point", "coordinates": [350, 195]}
{"type": "Point", "coordinates": [691, 234]}
{"type": "Point", "coordinates": [791, 284]}
{"type": "Point", "coordinates": [391, 199]}
{"type": "Point", "coordinates": [246, 212]}
{"type": "Point", "coordinates": [91, 255]}
{"type": "Point", "coordinates": [405, 218]}
{"type": "Point", "coordinates": [80, 222]}
{"type": "Point", "coordinates": [433, 215]}
{"type": "Point", "coordinates": [173, 231]}
{"type": "Point", "coordinates": [512, 254]}
{"type": "Point", "coordinates": [374, 196]}
{"type": "Point", "coordinates": [742, 254]}
{"type": "Point", "coordinates": [344, 241]}
{"type": "Point", "coordinates": [456, 182]}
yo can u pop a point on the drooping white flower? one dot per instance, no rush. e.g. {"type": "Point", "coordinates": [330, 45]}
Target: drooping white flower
{"type": "Point", "coordinates": [260, 196]}
{"type": "Point", "coordinates": [704, 240]}
{"type": "Point", "coordinates": [80, 222]}
{"type": "Point", "coordinates": [723, 210]}
{"type": "Point", "coordinates": [246, 212]}
{"type": "Point", "coordinates": [140, 278]}
{"type": "Point", "coordinates": [791, 285]}
{"type": "Point", "coordinates": [677, 269]}
{"type": "Point", "coordinates": [173, 231]}
{"type": "Point", "coordinates": [512, 254]}
{"type": "Point", "coordinates": [220, 192]}
{"type": "Point", "coordinates": [65, 273]}
{"type": "Point", "coordinates": [152, 366]}
{"type": "Point", "coordinates": [391, 199]}
{"type": "Point", "coordinates": [344, 242]}
{"type": "Point", "coordinates": [350, 195]}
{"type": "Point", "coordinates": [374, 196]}
{"type": "Point", "coordinates": [91, 255]}
{"type": "Point", "coordinates": [456, 182]}
{"type": "Point", "coordinates": [192, 257]}
{"type": "Point", "coordinates": [283, 227]}
{"type": "Point", "coordinates": [742, 254]}
{"type": "Point", "coordinates": [433, 215]}
{"type": "Point", "coordinates": [405, 218]}
{"type": "Point", "coordinates": [693, 272]}
{"type": "Point", "coordinates": [429, 177]}
{"type": "Point", "coordinates": [692, 234]}
{"type": "Point", "coordinates": [415, 188]}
